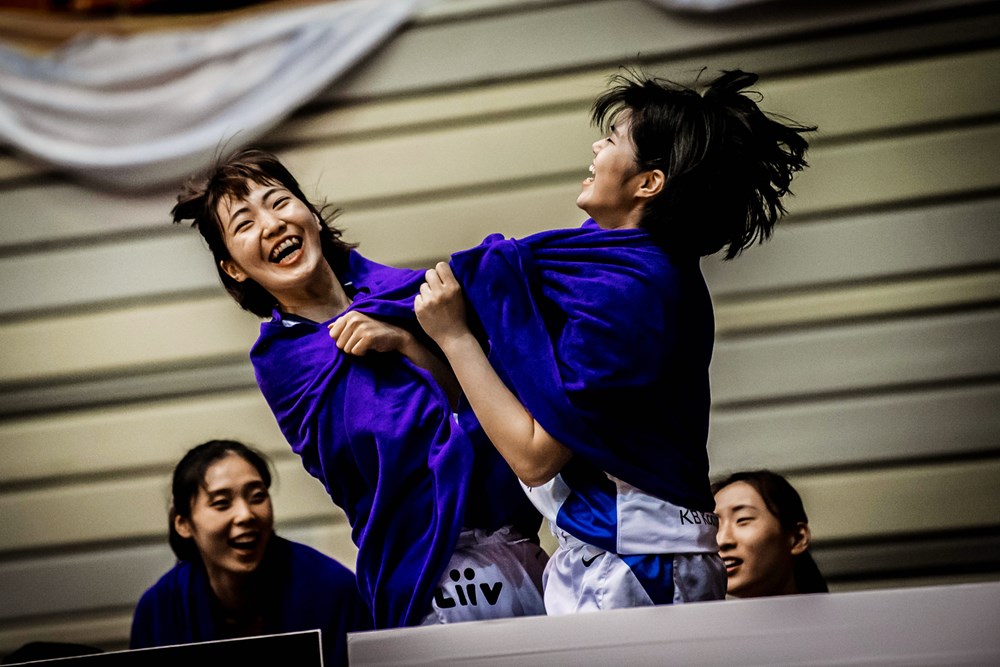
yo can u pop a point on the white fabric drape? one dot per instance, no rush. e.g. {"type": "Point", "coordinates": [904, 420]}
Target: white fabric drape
{"type": "Point", "coordinates": [151, 109]}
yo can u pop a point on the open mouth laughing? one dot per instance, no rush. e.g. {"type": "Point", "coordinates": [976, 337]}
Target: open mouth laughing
{"type": "Point", "coordinates": [285, 249]}
{"type": "Point", "coordinates": [247, 542]}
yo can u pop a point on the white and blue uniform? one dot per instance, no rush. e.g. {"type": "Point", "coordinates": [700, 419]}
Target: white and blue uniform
{"type": "Point", "coordinates": [635, 550]}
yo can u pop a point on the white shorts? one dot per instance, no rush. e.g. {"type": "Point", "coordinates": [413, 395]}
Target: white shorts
{"type": "Point", "coordinates": [490, 575]}
{"type": "Point", "coordinates": [581, 577]}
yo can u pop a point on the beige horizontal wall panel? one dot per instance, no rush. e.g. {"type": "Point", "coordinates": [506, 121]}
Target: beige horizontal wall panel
{"type": "Point", "coordinates": [55, 211]}
{"type": "Point", "coordinates": [121, 340]}
{"type": "Point", "coordinates": [446, 159]}
{"type": "Point", "coordinates": [476, 104]}
{"type": "Point", "coordinates": [882, 503]}
{"type": "Point", "coordinates": [854, 302]}
{"type": "Point", "coordinates": [109, 630]}
{"type": "Point", "coordinates": [853, 431]}
{"type": "Point", "coordinates": [332, 538]}
{"type": "Point", "coordinates": [82, 581]}
{"type": "Point", "coordinates": [872, 246]}
{"type": "Point", "coordinates": [880, 98]}
{"type": "Point", "coordinates": [92, 580]}
{"type": "Point", "coordinates": [873, 98]}
{"type": "Point", "coordinates": [135, 507]}
{"type": "Point", "coordinates": [849, 585]}
{"type": "Point", "coordinates": [123, 269]}
{"type": "Point", "coordinates": [498, 46]}
{"type": "Point", "coordinates": [880, 172]}
{"type": "Point", "coordinates": [216, 376]}
{"type": "Point", "coordinates": [452, 9]}
{"type": "Point", "coordinates": [145, 436]}
{"type": "Point", "coordinates": [425, 232]}
{"type": "Point", "coordinates": [953, 347]}
{"type": "Point", "coordinates": [943, 553]}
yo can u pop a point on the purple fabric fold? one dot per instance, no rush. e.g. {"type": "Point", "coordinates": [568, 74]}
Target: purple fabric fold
{"type": "Point", "coordinates": [380, 435]}
{"type": "Point", "coordinates": [606, 339]}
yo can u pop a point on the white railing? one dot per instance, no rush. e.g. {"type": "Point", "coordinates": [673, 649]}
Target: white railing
{"type": "Point", "coordinates": [940, 625]}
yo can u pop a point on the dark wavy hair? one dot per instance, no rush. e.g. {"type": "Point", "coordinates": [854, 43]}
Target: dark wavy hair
{"type": "Point", "coordinates": [189, 476]}
{"type": "Point", "coordinates": [199, 200]}
{"type": "Point", "coordinates": [784, 502]}
{"type": "Point", "coordinates": [726, 163]}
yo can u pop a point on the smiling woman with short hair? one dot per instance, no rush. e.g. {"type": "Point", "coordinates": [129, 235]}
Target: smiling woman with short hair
{"type": "Point", "coordinates": [367, 404]}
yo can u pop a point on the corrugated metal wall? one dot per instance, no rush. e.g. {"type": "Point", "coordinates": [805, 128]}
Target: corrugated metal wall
{"type": "Point", "coordinates": [857, 352]}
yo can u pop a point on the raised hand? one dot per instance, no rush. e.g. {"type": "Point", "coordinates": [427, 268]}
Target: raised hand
{"type": "Point", "coordinates": [440, 306]}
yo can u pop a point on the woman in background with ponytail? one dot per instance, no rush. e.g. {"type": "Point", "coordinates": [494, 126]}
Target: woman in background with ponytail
{"type": "Point", "coordinates": [589, 366]}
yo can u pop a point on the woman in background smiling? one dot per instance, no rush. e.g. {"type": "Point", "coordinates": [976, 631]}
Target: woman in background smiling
{"type": "Point", "coordinates": [234, 576]}
{"type": "Point", "coordinates": [764, 536]}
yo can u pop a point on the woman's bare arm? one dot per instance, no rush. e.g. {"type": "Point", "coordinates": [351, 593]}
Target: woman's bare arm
{"type": "Point", "coordinates": [533, 454]}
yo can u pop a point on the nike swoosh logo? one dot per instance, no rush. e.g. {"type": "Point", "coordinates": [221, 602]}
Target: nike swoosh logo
{"type": "Point", "coordinates": [588, 562]}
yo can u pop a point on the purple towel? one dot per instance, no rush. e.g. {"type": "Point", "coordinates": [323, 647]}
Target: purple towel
{"type": "Point", "coordinates": [379, 433]}
{"type": "Point", "coordinates": [606, 339]}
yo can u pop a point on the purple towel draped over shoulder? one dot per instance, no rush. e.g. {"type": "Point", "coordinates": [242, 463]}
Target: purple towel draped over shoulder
{"type": "Point", "coordinates": [607, 340]}
{"type": "Point", "coordinates": [379, 433]}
